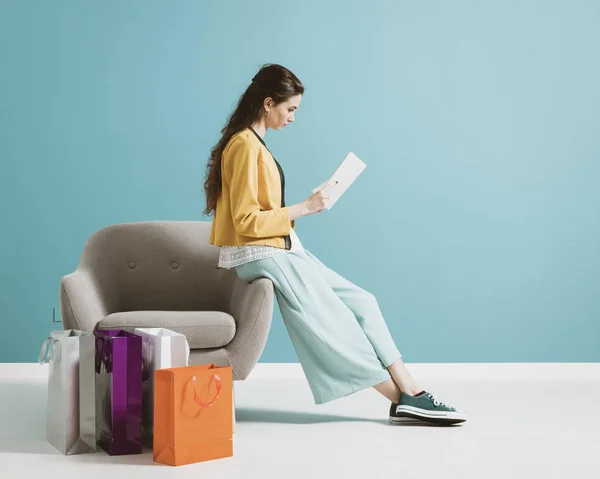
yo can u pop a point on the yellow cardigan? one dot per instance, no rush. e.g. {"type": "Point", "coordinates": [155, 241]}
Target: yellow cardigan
{"type": "Point", "coordinates": [249, 207]}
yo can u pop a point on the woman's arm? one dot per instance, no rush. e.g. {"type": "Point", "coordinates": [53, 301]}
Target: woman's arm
{"type": "Point", "coordinates": [315, 203]}
{"type": "Point", "coordinates": [241, 164]}
{"type": "Point", "coordinates": [298, 210]}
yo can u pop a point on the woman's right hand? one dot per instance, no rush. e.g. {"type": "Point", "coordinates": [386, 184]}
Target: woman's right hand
{"type": "Point", "coordinates": [316, 202]}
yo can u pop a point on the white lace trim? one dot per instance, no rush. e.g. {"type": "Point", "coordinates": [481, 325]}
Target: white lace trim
{"type": "Point", "coordinates": [232, 256]}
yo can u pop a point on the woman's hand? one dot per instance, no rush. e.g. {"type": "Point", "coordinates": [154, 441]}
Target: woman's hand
{"type": "Point", "coordinates": [315, 203]}
{"type": "Point", "coordinates": [318, 201]}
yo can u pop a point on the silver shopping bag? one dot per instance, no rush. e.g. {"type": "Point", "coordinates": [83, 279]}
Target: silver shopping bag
{"type": "Point", "coordinates": [71, 412]}
{"type": "Point", "coordinates": [161, 348]}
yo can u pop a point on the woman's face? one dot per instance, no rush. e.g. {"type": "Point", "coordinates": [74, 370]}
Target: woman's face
{"type": "Point", "coordinates": [282, 114]}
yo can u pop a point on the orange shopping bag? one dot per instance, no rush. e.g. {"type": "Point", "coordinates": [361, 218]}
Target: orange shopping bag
{"type": "Point", "coordinates": [193, 414]}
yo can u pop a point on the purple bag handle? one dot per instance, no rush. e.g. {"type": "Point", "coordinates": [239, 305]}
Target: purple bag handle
{"type": "Point", "coordinates": [103, 354]}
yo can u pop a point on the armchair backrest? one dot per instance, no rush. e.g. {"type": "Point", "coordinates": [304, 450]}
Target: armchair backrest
{"type": "Point", "coordinates": [158, 265]}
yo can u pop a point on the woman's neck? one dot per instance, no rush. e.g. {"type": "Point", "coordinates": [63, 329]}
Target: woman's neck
{"type": "Point", "coordinates": [260, 128]}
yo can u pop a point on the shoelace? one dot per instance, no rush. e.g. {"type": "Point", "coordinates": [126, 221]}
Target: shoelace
{"type": "Point", "coordinates": [437, 402]}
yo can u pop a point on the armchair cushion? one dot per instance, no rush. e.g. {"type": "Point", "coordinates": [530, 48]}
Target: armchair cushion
{"type": "Point", "coordinates": [203, 329]}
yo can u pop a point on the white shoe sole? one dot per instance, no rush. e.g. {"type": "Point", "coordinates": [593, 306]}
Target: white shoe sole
{"type": "Point", "coordinates": [437, 417]}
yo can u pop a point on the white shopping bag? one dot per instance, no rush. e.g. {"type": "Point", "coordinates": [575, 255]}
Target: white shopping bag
{"type": "Point", "coordinates": [161, 348]}
{"type": "Point", "coordinates": [71, 412]}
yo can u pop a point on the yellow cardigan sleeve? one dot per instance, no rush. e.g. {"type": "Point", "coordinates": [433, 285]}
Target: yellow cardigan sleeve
{"type": "Point", "coordinates": [242, 164]}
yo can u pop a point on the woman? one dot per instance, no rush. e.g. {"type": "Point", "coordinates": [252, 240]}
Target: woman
{"type": "Point", "coordinates": [336, 327]}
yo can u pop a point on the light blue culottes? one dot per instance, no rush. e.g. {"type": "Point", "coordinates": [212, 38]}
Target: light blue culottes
{"type": "Point", "coordinates": [337, 329]}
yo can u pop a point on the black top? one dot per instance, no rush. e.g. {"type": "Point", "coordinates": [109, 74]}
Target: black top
{"type": "Point", "coordinates": [278, 167]}
{"type": "Point", "coordinates": [288, 241]}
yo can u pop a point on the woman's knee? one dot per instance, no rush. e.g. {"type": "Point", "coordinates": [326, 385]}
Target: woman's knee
{"type": "Point", "coordinates": [368, 299]}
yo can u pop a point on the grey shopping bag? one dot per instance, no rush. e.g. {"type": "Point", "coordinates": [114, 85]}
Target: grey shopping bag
{"type": "Point", "coordinates": [71, 412]}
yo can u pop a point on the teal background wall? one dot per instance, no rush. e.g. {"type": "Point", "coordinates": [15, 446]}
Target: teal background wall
{"type": "Point", "coordinates": [476, 223]}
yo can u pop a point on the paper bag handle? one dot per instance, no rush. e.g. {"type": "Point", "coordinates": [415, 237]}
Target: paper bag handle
{"type": "Point", "coordinates": [46, 353]}
{"type": "Point", "coordinates": [103, 353]}
{"type": "Point", "coordinates": [197, 399]}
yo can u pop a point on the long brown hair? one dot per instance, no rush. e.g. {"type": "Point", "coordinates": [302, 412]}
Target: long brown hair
{"type": "Point", "coordinates": [273, 81]}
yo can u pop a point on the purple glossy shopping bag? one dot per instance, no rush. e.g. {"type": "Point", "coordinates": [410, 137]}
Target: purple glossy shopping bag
{"type": "Point", "coordinates": [118, 391]}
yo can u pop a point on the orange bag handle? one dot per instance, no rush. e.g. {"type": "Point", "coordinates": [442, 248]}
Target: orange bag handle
{"type": "Point", "coordinates": [197, 399]}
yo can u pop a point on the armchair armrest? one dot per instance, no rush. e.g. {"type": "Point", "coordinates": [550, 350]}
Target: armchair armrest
{"type": "Point", "coordinates": [81, 302]}
{"type": "Point", "coordinates": [251, 305]}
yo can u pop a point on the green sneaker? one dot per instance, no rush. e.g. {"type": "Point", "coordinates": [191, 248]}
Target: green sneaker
{"type": "Point", "coordinates": [426, 407]}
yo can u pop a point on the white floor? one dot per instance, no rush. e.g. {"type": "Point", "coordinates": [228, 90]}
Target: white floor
{"type": "Point", "coordinates": [525, 421]}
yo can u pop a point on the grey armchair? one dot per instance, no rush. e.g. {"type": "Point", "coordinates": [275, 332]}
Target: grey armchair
{"type": "Point", "coordinates": [164, 274]}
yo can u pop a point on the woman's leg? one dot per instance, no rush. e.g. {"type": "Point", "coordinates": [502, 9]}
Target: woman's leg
{"type": "Point", "coordinates": [341, 339]}
{"type": "Point", "coordinates": [368, 314]}
{"type": "Point", "coordinates": [335, 354]}
{"type": "Point", "coordinates": [389, 389]}
{"type": "Point", "coordinates": [403, 378]}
